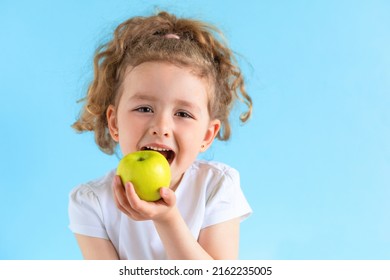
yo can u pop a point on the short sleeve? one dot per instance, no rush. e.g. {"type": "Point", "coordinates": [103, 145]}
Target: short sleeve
{"type": "Point", "coordinates": [225, 200]}
{"type": "Point", "coordinates": [85, 213]}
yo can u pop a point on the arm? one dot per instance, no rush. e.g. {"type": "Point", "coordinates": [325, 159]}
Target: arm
{"type": "Point", "coordinates": [94, 248]}
{"type": "Point", "coordinates": [215, 242]}
{"type": "Point", "coordinates": [222, 240]}
{"type": "Point", "coordinates": [218, 241]}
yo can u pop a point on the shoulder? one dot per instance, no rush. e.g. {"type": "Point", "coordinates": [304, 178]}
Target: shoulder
{"type": "Point", "coordinates": [215, 168]}
{"type": "Point", "coordinates": [224, 199]}
{"type": "Point", "coordinates": [90, 207]}
{"type": "Point", "coordinates": [213, 172]}
{"type": "Point", "coordinates": [93, 191]}
{"type": "Point", "coordinates": [96, 186]}
{"type": "Point", "coordinates": [213, 177]}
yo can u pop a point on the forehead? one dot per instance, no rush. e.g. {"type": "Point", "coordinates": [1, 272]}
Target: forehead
{"type": "Point", "coordinates": [164, 77]}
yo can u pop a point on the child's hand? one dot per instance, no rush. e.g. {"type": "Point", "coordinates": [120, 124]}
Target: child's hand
{"type": "Point", "coordinates": [127, 200]}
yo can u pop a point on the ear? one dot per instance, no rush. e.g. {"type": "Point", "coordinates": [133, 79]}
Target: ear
{"type": "Point", "coordinates": [112, 123]}
{"type": "Point", "coordinates": [210, 135]}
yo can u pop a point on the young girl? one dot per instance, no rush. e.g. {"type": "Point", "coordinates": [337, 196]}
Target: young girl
{"type": "Point", "coordinates": [163, 84]}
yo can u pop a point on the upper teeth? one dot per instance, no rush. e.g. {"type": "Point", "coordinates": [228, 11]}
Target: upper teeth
{"type": "Point", "coordinates": [157, 149]}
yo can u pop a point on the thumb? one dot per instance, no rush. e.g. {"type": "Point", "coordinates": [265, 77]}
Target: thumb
{"type": "Point", "coordinates": [168, 196]}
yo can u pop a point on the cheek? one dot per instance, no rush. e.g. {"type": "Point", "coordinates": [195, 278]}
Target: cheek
{"type": "Point", "coordinates": [192, 138]}
{"type": "Point", "coordinates": [127, 122]}
{"type": "Point", "coordinates": [130, 133]}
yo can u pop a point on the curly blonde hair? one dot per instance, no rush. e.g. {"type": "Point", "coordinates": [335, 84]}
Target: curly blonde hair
{"type": "Point", "coordinates": [140, 39]}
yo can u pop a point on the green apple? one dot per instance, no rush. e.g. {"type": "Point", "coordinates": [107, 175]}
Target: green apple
{"type": "Point", "coordinates": [148, 171]}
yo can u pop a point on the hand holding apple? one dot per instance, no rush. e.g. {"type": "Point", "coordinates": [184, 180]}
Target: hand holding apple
{"type": "Point", "coordinates": [148, 171]}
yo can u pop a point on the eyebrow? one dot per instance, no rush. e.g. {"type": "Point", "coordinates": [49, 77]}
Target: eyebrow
{"type": "Point", "coordinates": [140, 96]}
{"type": "Point", "coordinates": [190, 105]}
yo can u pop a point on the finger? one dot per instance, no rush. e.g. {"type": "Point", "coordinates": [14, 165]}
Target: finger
{"type": "Point", "coordinates": [117, 184]}
{"type": "Point", "coordinates": [168, 196]}
{"type": "Point", "coordinates": [119, 192]}
{"type": "Point", "coordinates": [115, 191]}
{"type": "Point", "coordinates": [119, 204]}
{"type": "Point", "coordinates": [120, 198]}
{"type": "Point", "coordinates": [132, 197]}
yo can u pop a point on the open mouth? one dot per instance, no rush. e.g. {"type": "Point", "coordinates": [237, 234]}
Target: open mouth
{"type": "Point", "coordinates": [168, 154]}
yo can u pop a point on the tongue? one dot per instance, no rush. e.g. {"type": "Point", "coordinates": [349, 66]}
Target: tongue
{"type": "Point", "coordinates": [164, 153]}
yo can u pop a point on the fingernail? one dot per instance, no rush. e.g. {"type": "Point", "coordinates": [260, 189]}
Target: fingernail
{"type": "Point", "coordinates": [164, 191]}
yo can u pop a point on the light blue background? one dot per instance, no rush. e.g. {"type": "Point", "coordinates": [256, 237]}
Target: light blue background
{"type": "Point", "coordinates": [314, 159]}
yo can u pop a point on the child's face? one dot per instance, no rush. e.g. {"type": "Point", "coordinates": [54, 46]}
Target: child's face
{"type": "Point", "coordinates": [163, 106]}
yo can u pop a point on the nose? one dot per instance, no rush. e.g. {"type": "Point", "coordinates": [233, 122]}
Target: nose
{"type": "Point", "coordinates": [161, 126]}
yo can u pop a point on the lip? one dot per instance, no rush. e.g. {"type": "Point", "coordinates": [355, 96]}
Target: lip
{"type": "Point", "coordinates": [156, 145]}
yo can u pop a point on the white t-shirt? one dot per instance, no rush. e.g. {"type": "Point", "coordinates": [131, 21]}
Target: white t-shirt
{"type": "Point", "coordinates": [209, 193]}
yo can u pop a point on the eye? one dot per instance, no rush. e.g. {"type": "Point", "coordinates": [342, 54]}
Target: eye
{"type": "Point", "coordinates": [144, 109]}
{"type": "Point", "coordinates": [184, 114]}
